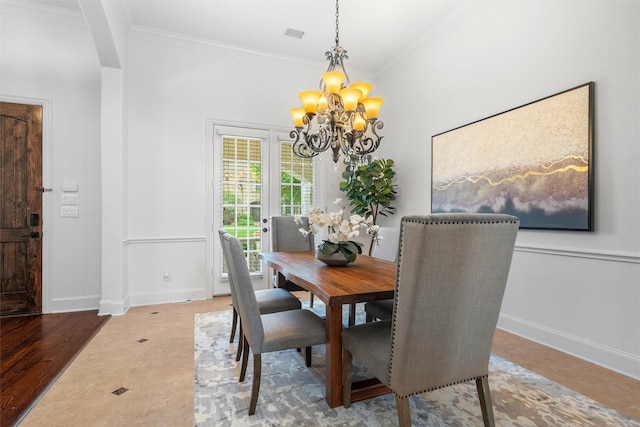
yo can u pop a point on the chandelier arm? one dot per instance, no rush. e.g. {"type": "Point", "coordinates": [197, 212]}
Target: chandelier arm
{"type": "Point", "coordinates": [301, 148]}
{"type": "Point", "coordinates": [377, 124]}
{"type": "Point", "coordinates": [367, 144]}
{"type": "Point", "coordinates": [326, 124]}
{"type": "Point", "coordinates": [321, 141]}
{"type": "Point", "coordinates": [313, 144]}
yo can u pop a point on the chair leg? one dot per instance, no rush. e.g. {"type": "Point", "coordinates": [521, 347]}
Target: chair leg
{"type": "Point", "coordinates": [482, 384]}
{"type": "Point", "coordinates": [404, 411]}
{"type": "Point", "coordinates": [245, 360]}
{"type": "Point", "coordinates": [240, 343]}
{"type": "Point", "coordinates": [234, 324]}
{"type": "Point", "coordinates": [307, 356]}
{"type": "Point", "coordinates": [346, 377]}
{"type": "Point", "coordinates": [311, 300]}
{"type": "Point", "coordinates": [255, 388]}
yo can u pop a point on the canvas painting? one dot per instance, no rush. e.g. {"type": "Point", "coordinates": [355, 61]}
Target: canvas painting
{"type": "Point", "coordinates": [534, 162]}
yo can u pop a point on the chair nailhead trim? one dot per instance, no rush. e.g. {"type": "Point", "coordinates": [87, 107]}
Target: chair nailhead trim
{"type": "Point", "coordinates": [443, 386]}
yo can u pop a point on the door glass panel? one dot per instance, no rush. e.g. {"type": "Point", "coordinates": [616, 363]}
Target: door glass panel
{"type": "Point", "coordinates": [242, 195]}
{"type": "Point", "coordinates": [297, 182]}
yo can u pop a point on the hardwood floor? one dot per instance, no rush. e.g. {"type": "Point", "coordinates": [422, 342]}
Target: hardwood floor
{"type": "Point", "coordinates": [34, 350]}
{"type": "Point", "coordinates": [610, 388]}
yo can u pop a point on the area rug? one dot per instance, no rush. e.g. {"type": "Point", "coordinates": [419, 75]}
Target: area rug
{"type": "Point", "coordinates": [293, 395]}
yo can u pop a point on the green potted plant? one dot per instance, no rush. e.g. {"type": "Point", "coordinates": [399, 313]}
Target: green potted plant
{"type": "Point", "coordinates": [370, 188]}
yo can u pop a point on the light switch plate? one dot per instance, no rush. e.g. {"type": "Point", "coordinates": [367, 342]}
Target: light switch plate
{"type": "Point", "coordinates": [69, 211]}
{"type": "Point", "coordinates": [69, 186]}
{"type": "Point", "coordinates": [70, 199]}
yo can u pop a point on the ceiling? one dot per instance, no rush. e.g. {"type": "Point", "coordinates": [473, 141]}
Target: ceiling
{"type": "Point", "coordinates": [374, 32]}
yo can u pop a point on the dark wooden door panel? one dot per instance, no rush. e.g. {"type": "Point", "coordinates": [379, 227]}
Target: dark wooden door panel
{"type": "Point", "coordinates": [20, 209]}
{"type": "Point", "coordinates": [14, 153]}
{"type": "Point", "coordinates": [14, 285]}
{"type": "Point", "coordinates": [14, 267]}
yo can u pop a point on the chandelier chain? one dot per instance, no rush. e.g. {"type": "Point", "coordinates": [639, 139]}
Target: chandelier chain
{"type": "Point", "coordinates": [337, 24]}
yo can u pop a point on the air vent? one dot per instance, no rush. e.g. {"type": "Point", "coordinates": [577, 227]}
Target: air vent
{"type": "Point", "coordinates": [290, 32]}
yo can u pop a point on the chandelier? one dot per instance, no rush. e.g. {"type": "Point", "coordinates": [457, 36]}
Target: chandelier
{"type": "Point", "coordinates": [340, 116]}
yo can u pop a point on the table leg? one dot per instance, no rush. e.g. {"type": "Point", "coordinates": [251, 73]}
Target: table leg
{"type": "Point", "coordinates": [334, 355]}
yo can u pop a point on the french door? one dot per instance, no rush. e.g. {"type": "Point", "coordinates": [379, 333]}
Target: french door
{"type": "Point", "coordinates": [254, 176]}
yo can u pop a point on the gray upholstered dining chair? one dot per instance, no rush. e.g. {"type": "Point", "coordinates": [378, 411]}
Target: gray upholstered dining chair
{"type": "Point", "coordinates": [286, 237]}
{"type": "Point", "coordinates": [271, 332]}
{"type": "Point", "coordinates": [385, 248]}
{"type": "Point", "coordinates": [450, 281]}
{"type": "Point", "coordinates": [269, 300]}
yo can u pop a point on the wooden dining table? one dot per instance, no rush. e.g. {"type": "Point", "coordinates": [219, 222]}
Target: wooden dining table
{"type": "Point", "coordinates": [366, 279]}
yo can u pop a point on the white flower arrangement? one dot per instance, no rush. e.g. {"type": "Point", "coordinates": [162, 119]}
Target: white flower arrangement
{"type": "Point", "coordinates": [341, 230]}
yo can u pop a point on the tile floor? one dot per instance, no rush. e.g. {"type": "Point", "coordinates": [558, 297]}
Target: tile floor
{"type": "Point", "coordinates": [138, 370]}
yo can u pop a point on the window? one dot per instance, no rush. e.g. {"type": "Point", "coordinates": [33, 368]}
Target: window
{"type": "Point", "coordinates": [297, 182]}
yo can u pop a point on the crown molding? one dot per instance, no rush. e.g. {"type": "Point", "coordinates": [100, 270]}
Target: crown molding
{"type": "Point", "coordinates": [138, 32]}
{"type": "Point", "coordinates": [42, 11]}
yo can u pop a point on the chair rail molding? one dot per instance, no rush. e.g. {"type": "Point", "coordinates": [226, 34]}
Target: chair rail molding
{"type": "Point", "coordinates": [172, 239]}
{"type": "Point", "coordinates": [629, 257]}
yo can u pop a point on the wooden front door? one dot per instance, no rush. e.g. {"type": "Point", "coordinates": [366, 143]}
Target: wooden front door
{"type": "Point", "coordinates": [20, 209]}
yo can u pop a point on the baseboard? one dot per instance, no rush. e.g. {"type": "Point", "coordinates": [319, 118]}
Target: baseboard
{"type": "Point", "coordinates": [67, 305]}
{"type": "Point", "coordinates": [610, 358]}
{"type": "Point", "coordinates": [165, 297]}
{"type": "Point", "coordinates": [114, 308]}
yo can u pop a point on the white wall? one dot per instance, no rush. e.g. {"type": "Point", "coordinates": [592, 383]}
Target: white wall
{"type": "Point", "coordinates": [175, 86]}
{"type": "Point", "coordinates": [577, 291]}
{"type": "Point", "coordinates": [52, 58]}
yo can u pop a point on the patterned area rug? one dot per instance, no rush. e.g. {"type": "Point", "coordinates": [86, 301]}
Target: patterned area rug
{"type": "Point", "coordinates": [293, 395]}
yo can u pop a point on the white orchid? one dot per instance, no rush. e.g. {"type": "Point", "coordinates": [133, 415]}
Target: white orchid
{"type": "Point", "coordinates": [340, 230]}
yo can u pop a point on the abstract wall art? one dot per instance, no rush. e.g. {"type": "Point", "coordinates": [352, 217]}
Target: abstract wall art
{"type": "Point", "coordinates": [534, 161]}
